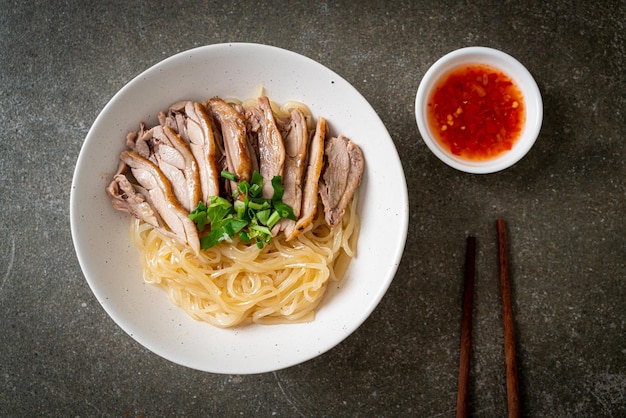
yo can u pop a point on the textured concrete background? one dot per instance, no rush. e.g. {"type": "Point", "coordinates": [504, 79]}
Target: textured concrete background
{"type": "Point", "coordinates": [61, 355]}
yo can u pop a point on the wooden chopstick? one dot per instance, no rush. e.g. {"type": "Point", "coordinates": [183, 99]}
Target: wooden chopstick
{"type": "Point", "coordinates": [462, 398]}
{"type": "Point", "coordinates": [507, 320]}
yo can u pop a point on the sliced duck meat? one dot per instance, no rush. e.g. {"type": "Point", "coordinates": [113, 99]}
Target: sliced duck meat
{"type": "Point", "coordinates": [190, 120]}
{"type": "Point", "coordinates": [271, 149]}
{"type": "Point", "coordinates": [140, 141]}
{"type": "Point", "coordinates": [175, 117]}
{"type": "Point", "coordinates": [165, 148]}
{"type": "Point", "coordinates": [253, 127]}
{"type": "Point", "coordinates": [342, 175]}
{"type": "Point", "coordinates": [175, 159]}
{"type": "Point", "coordinates": [203, 147]}
{"type": "Point", "coordinates": [315, 162]}
{"type": "Point", "coordinates": [296, 141]}
{"type": "Point", "coordinates": [159, 190]}
{"type": "Point", "coordinates": [221, 162]}
{"type": "Point", "coordinates": [232, 126]}
{"type": "Point", "coordinates": [296, 144]}
{"type": "Point", "coordinates": [125, 198]}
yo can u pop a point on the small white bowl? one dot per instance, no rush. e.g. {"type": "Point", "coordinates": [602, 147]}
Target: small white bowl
{"type": "Point", "coordinates": [518, 74]}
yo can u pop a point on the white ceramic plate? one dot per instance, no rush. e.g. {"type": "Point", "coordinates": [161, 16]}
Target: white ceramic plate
{"type": "Point", "coordinates": [111, 264]}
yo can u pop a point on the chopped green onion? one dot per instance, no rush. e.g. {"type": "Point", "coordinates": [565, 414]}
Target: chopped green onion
{"type": "Point", "coordinates": [256, 182]}
{"type": "Point", "coordinates": [273, 219]}
{"type": "Point", "coordinates": [253, 204]}
{"type": "Point", "coordinates": [277, 184]}
{"type": "Point", "coordinates": [228, 175]}
{"type": "Point", "coordinates": [243, 235]}
{"type": "Point", "coordinates": [263, 216]}
{"type": "Point", "coordinates": [249, 217]}
{"type": "Point", "coordinates": [255, 190]}
{"type": "Point", "coordinates": [260, 229]}
{"type": "Point", "coordinates": [240, 208]}
{"type": "Point", "coordinates": [284, 210]}
{"type": "Point", "coordinates": [243, 187]}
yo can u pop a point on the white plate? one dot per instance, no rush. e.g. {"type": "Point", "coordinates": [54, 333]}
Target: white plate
{"type": "Point", "coordinates": [111, 264]}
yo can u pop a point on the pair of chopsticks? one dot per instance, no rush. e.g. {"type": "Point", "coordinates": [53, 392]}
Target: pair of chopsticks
{"type": "Point", "coordinates": [507, 318]}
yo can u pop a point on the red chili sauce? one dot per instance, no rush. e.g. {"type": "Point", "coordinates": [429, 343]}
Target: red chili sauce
{"type": "Point", "coordinates": [476, 112]}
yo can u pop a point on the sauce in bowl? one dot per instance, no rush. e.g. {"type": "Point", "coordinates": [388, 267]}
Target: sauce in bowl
{"type": "Point", "coordinates": [476, 112]}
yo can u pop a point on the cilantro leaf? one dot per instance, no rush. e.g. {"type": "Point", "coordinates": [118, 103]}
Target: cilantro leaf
{"type": "Point", "coordinates": [227, 230]}
{"type": "Point", "coordinates": [199, 216]}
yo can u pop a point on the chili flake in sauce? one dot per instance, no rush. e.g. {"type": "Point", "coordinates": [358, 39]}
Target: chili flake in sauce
{"type": "Point", "coordinates": [477, 112]}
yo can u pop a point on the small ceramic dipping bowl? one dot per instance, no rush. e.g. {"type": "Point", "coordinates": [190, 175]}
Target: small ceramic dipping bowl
{"type": "Point", "coordinates": [473, 126]}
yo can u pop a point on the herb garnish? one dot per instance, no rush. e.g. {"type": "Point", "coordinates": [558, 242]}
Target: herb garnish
{"type": "Point", "coordinates": [250, 216]}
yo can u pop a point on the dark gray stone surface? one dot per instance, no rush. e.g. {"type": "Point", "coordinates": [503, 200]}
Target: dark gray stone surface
{"type": "Point", "coordinates": [565, 203]}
